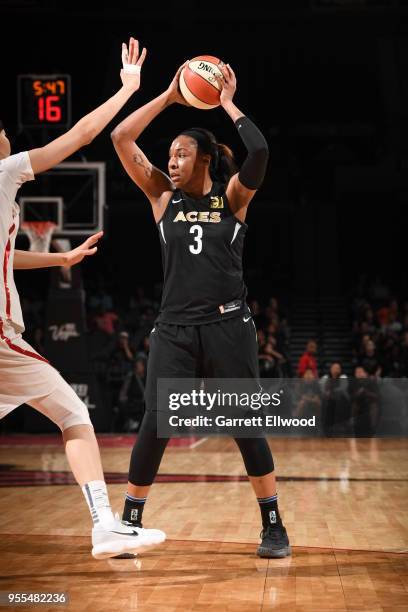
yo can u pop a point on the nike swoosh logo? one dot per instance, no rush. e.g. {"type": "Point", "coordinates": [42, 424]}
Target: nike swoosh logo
{"type": "Point", "coordinates": [125, 533]}
{"type": "Point", "coordinates": [177, 201]}
{"type": "Point", "coordinates": [245, 320]}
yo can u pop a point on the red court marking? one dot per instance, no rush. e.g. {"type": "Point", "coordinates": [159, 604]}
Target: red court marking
{"type": "Point", "coordinates": [38, 478]}
{"type": "Point", "coordinates": [104, 440]}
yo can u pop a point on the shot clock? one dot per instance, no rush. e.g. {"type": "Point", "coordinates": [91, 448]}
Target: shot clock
{"type": "Point", "coordinates": [44, 100]}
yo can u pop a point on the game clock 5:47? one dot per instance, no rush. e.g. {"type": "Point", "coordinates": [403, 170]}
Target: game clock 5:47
{"type": "Point", "coordinates": [44, 100]}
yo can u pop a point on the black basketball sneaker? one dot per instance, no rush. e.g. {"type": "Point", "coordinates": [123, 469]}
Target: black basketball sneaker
{"type": "Point", "coordinates": [275, 543]}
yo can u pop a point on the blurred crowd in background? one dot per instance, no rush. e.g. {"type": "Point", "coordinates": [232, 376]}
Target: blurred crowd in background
{"type": "Point", "coordinates": [118, 343]}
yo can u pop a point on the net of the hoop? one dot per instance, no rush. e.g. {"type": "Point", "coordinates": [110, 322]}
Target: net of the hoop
{"type": "Point", "coordinates": [39, 234]}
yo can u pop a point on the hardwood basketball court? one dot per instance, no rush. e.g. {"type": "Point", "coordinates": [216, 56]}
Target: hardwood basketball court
{"type": "Point", "coordinates": [344, 505]}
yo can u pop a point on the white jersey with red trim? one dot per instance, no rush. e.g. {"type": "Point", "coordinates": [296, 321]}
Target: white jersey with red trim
{"type": "Point", "coordinates": [14, 171]}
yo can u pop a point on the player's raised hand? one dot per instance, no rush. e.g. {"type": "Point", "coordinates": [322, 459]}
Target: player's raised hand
{"type": "Point", "coordinates": [173, 90]}
{"type": "Point", "coordinates": [228, 83]}
{"type": "Point", "coordinates": [132, 64]}
{"type": "Point", "coordinates": [83, 250]}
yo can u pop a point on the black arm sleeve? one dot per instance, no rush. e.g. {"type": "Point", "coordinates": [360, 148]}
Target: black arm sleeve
{"type": "Point", "coordinates": [253, 169]}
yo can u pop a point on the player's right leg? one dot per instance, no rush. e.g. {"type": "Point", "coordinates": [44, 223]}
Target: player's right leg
{"type": "Point", "coordinates": [173, 354]}
{"type": "Point", "coordinates": [23, 375]}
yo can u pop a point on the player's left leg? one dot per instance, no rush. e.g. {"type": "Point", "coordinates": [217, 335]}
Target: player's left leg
{"type": "Point", "coordinates": [231, 351]}
{"type": "Point", "coordinates": [109, 535]}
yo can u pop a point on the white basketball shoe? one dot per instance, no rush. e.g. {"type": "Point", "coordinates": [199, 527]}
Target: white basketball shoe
{"type": "Point", "coordinates": [123, 538]}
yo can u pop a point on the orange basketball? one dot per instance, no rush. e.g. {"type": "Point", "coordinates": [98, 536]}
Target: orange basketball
{"type": "Point", "coordinates": [198, 84]}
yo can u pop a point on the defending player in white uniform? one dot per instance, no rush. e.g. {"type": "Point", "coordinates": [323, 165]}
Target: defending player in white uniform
{"type": "Point", "coordinates": [26, 376]}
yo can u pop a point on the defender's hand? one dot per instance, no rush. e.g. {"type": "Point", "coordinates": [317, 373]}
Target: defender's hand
{"type": "Point", "coordinates": [132, 64]}
{"type": "Point", "coordinates": [83, 250]}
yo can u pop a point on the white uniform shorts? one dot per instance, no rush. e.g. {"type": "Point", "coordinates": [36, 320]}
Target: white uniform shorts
{"type": "Point", "coordinates": [28, 378]}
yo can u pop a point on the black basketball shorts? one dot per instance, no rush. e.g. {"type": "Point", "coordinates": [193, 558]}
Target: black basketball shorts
{"type": "Point", "coordinates": [225, 349]}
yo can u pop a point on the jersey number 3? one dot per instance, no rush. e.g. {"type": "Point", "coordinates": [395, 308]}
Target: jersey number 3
{"type": "Point", "coordinates": [196, 248]}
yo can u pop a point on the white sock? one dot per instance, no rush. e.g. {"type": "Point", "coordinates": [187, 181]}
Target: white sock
{"type": "Point", "coordinates": [96, 496]}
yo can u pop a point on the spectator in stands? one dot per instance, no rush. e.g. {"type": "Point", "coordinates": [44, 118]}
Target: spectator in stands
{"type": "Point", "coordinates": [361, 335]}
{"type": "Point", "coordinates": [131, 320]}
{"type": "Point", "coordinates": [369, 359]}
{"type": "Point", "coordinates": [358, 307]}
{"type": "Point", "coordinates": [336, 375]}
{"type": "Point", "coordinates": [336, 411]}
{"type": "Point", "coordinates": [394, 325]}
{"type": "Point", "coordinates": [379, 344]}
{"type": "Point", "coordinates": [394, 308]}
{"type": "Point", "coordinates": [383, 314]}
{"type": "Point", "coordinates": [369, 320]}
{"type": "Point", "coordinates": [364, 395]}
{"type": "Point", "coordinates": [273, 311]}
{"type": "Point", "coordinates": [143, 353]}
{"type": "Point", "coordinates": [274, 330]}
{"type": "Point", "coordinates": [261, 338]}
{"type": "Point", "coordinates": [270, 360]}
{"type": "Point", "coordinates": [274, 305]}
{"type": "Point", "coordinates": [267, 361]}
{"type": "Point", "coordinates": [271, 331]}
{"type": "Point", "coordinates": [394, 365]}
{"type": "Point", "coordinates": [107, 320]}
{"type": "Point", "coordinates": [285, 331]}
{"type": "Point", "coordinates": [308, 396]}
{"type": "Point", "coordinates": [308, 359]}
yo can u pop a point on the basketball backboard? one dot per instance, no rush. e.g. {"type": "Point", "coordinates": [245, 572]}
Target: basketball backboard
{"type": "Point", "coordinates": [72, 195]}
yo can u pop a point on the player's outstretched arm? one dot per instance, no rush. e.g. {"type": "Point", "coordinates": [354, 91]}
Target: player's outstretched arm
{"type": "Point", "coordinates": [152, 181]}
{"type": "Point", "coordinates": [26, 260]}
{"type": "Point", "coordinates": [243, 185]}
{"type": "Point", "coordinates": [83, 132]}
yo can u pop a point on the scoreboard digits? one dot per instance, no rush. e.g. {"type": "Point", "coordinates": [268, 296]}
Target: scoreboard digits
{"type": "Point", "coordinates": [44, 100]}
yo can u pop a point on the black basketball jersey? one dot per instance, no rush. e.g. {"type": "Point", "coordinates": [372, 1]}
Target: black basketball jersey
{"type": "Point", "coordinates": [202, 244]}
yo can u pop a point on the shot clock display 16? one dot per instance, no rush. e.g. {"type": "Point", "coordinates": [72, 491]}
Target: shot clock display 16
{"type": "Point", "coordinates": [44, 100]}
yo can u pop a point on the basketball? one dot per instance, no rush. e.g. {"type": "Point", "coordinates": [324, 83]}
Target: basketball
{"type": "Point", "coordinates": [198, 83]}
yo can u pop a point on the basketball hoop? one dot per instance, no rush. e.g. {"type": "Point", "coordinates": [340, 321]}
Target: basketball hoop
{"type": "Point", "coordinates": [39, 234]}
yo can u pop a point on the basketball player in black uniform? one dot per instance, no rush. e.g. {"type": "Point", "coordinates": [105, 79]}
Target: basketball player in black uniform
{"type": "Point", "coordinates": [204, 326]}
